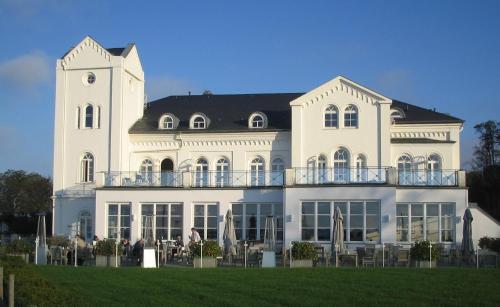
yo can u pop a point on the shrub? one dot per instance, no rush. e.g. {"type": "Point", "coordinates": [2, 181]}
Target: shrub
{"type": "Point", "coordinates": [420, 251]}
{"type": "Point", "coordinates": [490, 243]}
{"type": "Point", "coordinates": [210, 249]}
{"type": "Point", "coordinates": [59, 241]}
{"type": "Point", "coordinates": [303, 251]}
{"type": "Point", "coordinates": [19, 247]}
{"type": "Point", "coordinates": [12, 262]}
{"type": "Point", "coordinates": [107, 247]}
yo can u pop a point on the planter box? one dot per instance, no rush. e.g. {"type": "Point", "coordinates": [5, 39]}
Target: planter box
{"type": "Point", "coordinates": [25, 257]}
{"type": "Point", "coordinates": [106, 261]}
{"type": "Point", "coordinates": [424, 264]}
{"type": "Point", "coordinates": [304, 263]}
{"type": "Point", "coordinates": [208, 262]}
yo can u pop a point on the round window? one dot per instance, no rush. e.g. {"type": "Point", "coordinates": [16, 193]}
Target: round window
{"type": "Point", "coordinates": [90, 78]}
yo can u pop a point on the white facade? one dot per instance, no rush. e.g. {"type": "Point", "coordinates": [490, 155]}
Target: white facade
{"type": "Point", "coordinates": [342, 147]}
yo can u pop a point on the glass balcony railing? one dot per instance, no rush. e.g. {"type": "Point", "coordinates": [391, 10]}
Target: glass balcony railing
{"type": "Point", "coordinates": [140, 179]}
{"type": "Point", "coordinates": [340, 175]}
{"type": "Point", "coordinates": [428, 178]}
{"type": "Point", "coordinates": [237, 178]}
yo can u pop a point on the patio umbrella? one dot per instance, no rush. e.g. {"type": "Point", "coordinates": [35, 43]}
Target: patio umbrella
{"type": "Point", "coordinates": [467, 244]}
{"type": "Point", "coordinates": [338, 231]}
{"type": "Point", "coordinates": [229, 236]}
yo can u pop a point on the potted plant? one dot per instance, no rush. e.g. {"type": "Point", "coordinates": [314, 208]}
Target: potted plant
{"type": "Point", "coordinates": [211, 250]}
{"type": "Point", "coordinates": [303, 255]}
{"type": "Point", "coordinates": [490, 248]}
{"type": "Point", "coordinates": [106, 252]}
{"type": "Point", "coordinates": [419, 254]}
{"type": "Point", "coordinates": [19, 248]}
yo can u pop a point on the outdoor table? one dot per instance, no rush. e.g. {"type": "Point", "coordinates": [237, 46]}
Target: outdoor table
{"type": "Point", "coordinates": [347, 254]}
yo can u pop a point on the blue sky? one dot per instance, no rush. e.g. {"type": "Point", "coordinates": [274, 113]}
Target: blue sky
{"type": "Point", "coordinates": [435, 54]}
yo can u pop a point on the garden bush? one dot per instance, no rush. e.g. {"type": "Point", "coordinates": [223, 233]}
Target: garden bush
{"type": "Point", "coordinates": [59, 241]}
{"type": "Point", "coordinates": [490, 243]}
{"type": "Point", "coordinates": [107, 247]}
{"type": "Point", "coordinates": [303, 251]}
{"type": "Point", "coordinates": [420, 251]}
{"type": "Point", "coordinates": [19, 247]}
{"type": "Point", "coordinates": [210, 249]}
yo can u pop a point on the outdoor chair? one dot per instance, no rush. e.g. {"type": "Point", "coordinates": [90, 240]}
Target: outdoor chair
{"type": "Point", "coordinates": [403, 257]}
{"type": "Point", "coordinates": [320, 256]}
{"type": "Point", "coordinates": [382, 257]}
{"type": "Point", "coordinates": [369, 257]}
{"type": "Point", "coordinates": [444, 255]}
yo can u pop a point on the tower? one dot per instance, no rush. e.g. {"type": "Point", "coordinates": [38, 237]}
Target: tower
{"type": "Point", "coordinates": [99, 95]}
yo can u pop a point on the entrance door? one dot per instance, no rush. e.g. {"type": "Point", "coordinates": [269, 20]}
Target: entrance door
{"type": "Point", "coordinates": [167, 172]}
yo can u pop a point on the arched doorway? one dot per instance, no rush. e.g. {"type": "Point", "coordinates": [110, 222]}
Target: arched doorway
{"type": "Point", "coordinates": [167, 175]}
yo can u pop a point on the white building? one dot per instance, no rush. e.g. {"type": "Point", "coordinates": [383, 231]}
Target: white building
{"type": "Point", "coordinates": [391, 167]}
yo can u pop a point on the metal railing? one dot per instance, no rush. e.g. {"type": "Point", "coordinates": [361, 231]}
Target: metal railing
{"type": "Point", "coordinates": [428, 177]}
{"type": "Point", "coordinates": [142, 179]}
{"type": "Point", "coordinates": [340, 175]}
{"type": "Point", "coordinates": [236, 178]}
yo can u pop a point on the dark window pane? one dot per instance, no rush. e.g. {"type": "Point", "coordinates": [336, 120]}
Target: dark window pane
{"type": "Point", "coordinates": [113, 210]}
{"type": "Point", "coordinates": [372, 221]}
{"type": "Point", "coordinates": [125, 221]}
{"type": "Point", "coordinates": [161, 234]}
{"type": "Point", "coordinates": [147, 209]}
{"type": "Point", "coordinates": [372, 207]}
{"type": "Point", "coordinates": [251, 209]}
{"type": "Point", "coordinates": [266, 209]}
{"type": "Point", "coordinates": [279, 235]}
{"type": "Point", "coordinates": [343, 207]}
{"type": "Point", "coordinates": [212, 222]}
{"type": "Point", "coordinates": [113, 221]}
{"type": "Point", "coordinates": [402, 210]}
{"type": "Point", "coordinates": [447, 236]}
{"type": "Point", "coordinates": [251, 234]}
{"type": "Point", "coordinates": [237, 209]}
{"type": "Point", "coordinates": [324, 221]}
{"type": "Point", "coordinates": [308, 208]}
{"type": "Point", "coordinates": [432, 210]}
{"type": "Point", "coordinates": [199, 222]}
{"type": "Point", "coordinates": [176, 222]}
{"type": "Point", "coordinates": [308, 234]}
{"type": "Point", "coordinates": [161, 221]}
{"type": "Point", "coordinates": [307, 221]}
{"type": "Point", "coordinates": [212, 210]}
{"type": "Point", "coordinates": [176, 209]}
{"type": "Point", "coordinates": [125, 210]}
{"type": "Point", "coordinates": [324, 234]}
{"type": "Point", "coordinates": [447, 209]}
{"type": "Point", "coordinates": [356, 234]}
{"type": "Point", "coordinates": [174, 232]}
{"type": "Point", "coordinates": [278, 209]}
{"type": "Point", "coordinates": [356, 221]}
{"type": "Point", "coordinates": [239, 233]}
{"type": "Point", "coordinates": [356, 208]}
{"type": "Point", "coordinates": [199, 210]}
{"type": "Point", "coordinates": [238, 221]}
{"type": "Point", "coordinates": [211, 234]}
{"type": "Point", "coordinates": [417, 210]}
{"type": "Point", "coordinates": [161, 209]}
{"type": "Point", "coordinates": [323, 208]}
{"type": "Point", "coordinates": [201, 232]}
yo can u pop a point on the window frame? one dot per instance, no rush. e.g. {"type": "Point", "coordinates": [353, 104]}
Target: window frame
{"type": "Point", "coordinates": [170, 234]}
{"type": "Point", "coordinates": [351, 115]}
{"type": "Point", "coordinates": [329, 111]}
{"type": "Point", "coordinates": [257, 171]}
{"type": "Point", "coordinates": [241, 232]}
{"type": "Point", "coordinates": [87, 168]}
{"type": "Point", "coordinates": [257, 124]}
{"type": "Point", "coordinates": [203, 230]}
{"type": "Point", "coordinates": [119, 227]}
{"type": "Point", "coordinates": [88, 122]}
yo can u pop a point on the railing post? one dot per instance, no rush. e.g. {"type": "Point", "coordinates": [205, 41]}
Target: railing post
{"type": "Point", "coordinates": [1, 285]}
{"type": "Point", "coordinates": [186, 179]}
{"type": "Point", "coordinates": [289, 177]}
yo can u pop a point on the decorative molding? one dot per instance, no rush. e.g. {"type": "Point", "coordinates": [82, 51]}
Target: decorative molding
{"type": "Point", "coordinates": [86, 43]}
{"type": "Point", "coordinates": [201, 143]}
{"type": "Point", "coordinates": [439, 135]}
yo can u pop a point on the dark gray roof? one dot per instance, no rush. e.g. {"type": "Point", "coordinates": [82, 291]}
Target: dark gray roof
{"type": "Point", "coordinates": [419, 141]}
{"type": "Point", "coordinates": [225, 112]}
{"type": "Point", "coordinates": [230, 113]}
{"type": "Point", "coordinates": [418, 115]}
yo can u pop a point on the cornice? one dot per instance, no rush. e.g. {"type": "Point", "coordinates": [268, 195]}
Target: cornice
{"type": "Point", "coordinates": [87, 42]}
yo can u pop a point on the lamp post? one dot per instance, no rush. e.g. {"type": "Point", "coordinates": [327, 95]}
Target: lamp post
{"type": "Point", "coordinates": [76, 248]}
{"type": "Point", "coordinates": [477, 256]}
{"type": "Point", "coordinates": [36, 250]}
{"type": "Point", "coordinates": [116, 252]}
{"type": "Point", "coordinates": [430, 254]}
{"type": "Point", "coordinates": [291, 254]}
{"type": "Point", "coordinates": [246, 244]}
{"type": "Point", "coordinates": [383, 255]}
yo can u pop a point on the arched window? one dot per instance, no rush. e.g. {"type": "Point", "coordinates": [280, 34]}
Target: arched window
{"type": "Point", "coordinates": [331, 116]}
{"type": "Point", "coordinates": [198, 122]}
{"type": "Point", "coordinates": [89, 116]}
{"type": "Point", "coordinates": [351, 116]}
{"type": "Point", "coordinates": [405, 166]}
{"type": "Point", "coordinates": [322, 171]}
{"type": "Point", "coordinates": [341, 165]}
{"type": "Point", "coordinates": [277, 168]}
{"type": "Point", "coordinates": [85, 225]}
{"type": "Point", "coordinates": [87, 168]}
{"type": "Point", "coordinates": [146, 175]}
{"type": "Point", "coordinates": [222, 172]}
{"type": "Point", "coordinates": [257, 120]}
{"type": "Point", "coordinates": [201, 175]}
{"type": "Point", "coordinates": [361, 169]}
{"type": "Point", "coordinates": [396, 114]}
{"type": "Point", "coordinates": [167, 122]}
{"type": "Point", "coordinates": [257, 177]}
{"type": "Point", "coordinates": [434, 170]}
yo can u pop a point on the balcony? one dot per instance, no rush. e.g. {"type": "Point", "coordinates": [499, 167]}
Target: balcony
{"type": "Point", "coordinates": [140, 179]}
{"type": "Point", "coordinates": [428, 178]}
{"type": "Point", "coordinates": [366, 175]}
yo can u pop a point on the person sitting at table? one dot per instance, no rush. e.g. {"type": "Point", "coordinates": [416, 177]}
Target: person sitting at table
{"type": "Point", "coordinates": [138, 251]}
{"type": "Point", "coordinates": [178, 246]}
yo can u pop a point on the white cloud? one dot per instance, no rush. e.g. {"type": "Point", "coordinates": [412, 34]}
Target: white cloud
{"type": "Point", "coordinates": [25, 71]}
{"type": "Point", "coordinates": [397, 83]}
{"type": "Point", "coordinates": [163, 86]}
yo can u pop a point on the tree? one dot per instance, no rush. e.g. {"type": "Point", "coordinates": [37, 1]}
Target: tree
{"type": "Point", "coordinates": [487, 153]}
{"type": "Point", "coordinates": [23, 196]}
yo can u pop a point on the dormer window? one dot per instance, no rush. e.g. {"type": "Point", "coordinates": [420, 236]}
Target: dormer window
{"type": "Point", "coordinates": [257, 120]}
{"type": "Point", "coordinates": [396, 114]}
{"type": "Point", "coordinates": [198, 121]}
{"type": "Point", "coordinates": [168, 122]}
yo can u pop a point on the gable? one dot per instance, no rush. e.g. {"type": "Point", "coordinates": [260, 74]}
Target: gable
{"type": "Point", "coordinates": [88, 53]}
{"type": "Point", "coordinates": [340, 86]}
{"type": "Point", "coordinates": [132, 62]}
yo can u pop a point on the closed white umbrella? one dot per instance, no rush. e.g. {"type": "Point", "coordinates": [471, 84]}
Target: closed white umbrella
{"type": "Point", "coordinates": [338, 231]}
{"type": "Point", "coordinates": [229, 236]}
{"type": "Point", "coordinates": [467, 244]}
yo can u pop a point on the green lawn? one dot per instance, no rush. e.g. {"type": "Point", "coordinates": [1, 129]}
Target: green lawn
{"type": "Point", "coordinates": [272, 287]}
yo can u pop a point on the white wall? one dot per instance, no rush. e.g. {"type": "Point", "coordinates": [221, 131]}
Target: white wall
{"type": "Point", "coordinates": [224, 198]}
{"type": "Point", "coordinates": [483, 225]}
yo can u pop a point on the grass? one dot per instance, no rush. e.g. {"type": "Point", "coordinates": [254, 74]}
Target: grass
{"type": "Point", "coordinates": [275, 287]}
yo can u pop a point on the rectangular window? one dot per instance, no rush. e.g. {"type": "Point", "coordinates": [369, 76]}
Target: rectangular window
{"type": "Point", "coordinates": [206, 220]}
{"type": "Point", "coordinates": [119, 221]}
{"type": "Point", "coordinates": [250, 220]}
{"type": "Point", "coordinates": [167, 219]}
{"type": "Point", "coordinates": [431, 221]}
{"type": "Point", "coordinates": [361, 220]}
